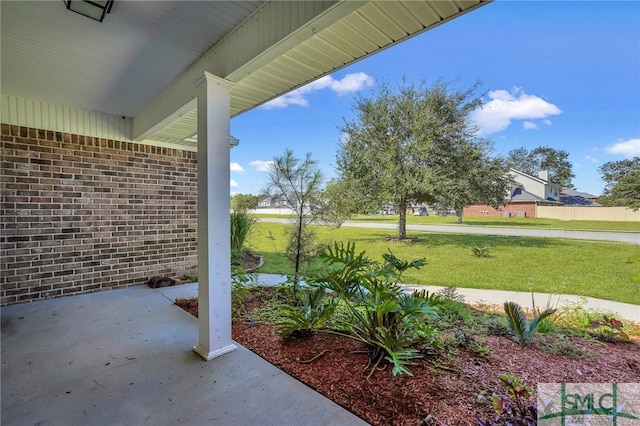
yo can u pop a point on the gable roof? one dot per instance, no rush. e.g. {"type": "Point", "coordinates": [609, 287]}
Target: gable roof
{"type": "Point", "coordinates": [533, 178]}
{"type": "Point", "coordinates": [520, 195]}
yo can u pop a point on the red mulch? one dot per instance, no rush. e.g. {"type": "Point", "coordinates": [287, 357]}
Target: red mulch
{"type": "Point", "coordinates": [456, 392]}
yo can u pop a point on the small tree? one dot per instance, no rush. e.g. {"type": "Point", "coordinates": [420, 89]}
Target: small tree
{"type": "Point", "coordinates": [299, 183]}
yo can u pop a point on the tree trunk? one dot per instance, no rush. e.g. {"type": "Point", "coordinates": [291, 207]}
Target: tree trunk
{"type": "Point", "coordinates": [298, 247]}
{"type": "Point", "coordinates": [402, 225]}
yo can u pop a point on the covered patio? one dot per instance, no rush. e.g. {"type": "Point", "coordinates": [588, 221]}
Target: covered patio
{"type": "Point", "coordinates": [118, 357]}
{"type": "Point", "coordinates": [93, 116]}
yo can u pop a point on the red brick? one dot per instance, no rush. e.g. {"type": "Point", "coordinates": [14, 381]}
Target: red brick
{"type": "Point", "coordinates": [84, 215]}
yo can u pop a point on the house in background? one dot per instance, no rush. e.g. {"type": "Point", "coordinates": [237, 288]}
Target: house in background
{"type": "Point", "coordinates": [525, 194]}
{"type": "Point", "coordinates": [276, 202]}
{"type": "Point", "coordinates": [573, 198]}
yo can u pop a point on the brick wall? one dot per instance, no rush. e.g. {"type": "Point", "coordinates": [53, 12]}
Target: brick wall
{"type": "Point", "coordinates": [82, 214]}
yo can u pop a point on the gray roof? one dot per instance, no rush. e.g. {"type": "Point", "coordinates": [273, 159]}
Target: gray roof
{"type": "Point", "coordinates": [571, 197]}
{"type": "Point", "coordinates": [520, 195]}
{"type": "Point", "coordinates": [573, 193]}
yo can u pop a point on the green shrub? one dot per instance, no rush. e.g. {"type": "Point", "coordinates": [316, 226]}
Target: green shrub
{"type": "Point", "coordinates": [516, 407]}
{"type": "Point", "coordinates": [374, 309]}
{"type": "Point", "coordinates": [450, 293]}
{"type": "Point", "coordinates": [300, 321]}
{"type": "Point", "coordinates": [560, 344]}
{"type": "Point", "coordinates": [609, 329]}
{"type": "Point", "coordinates": [481, 251]}
{"type": "Point", "coordinates": [239, 282]}
{"type": "Point", "coordinates": [522, 329]}
{"type": "Point", "coordinates": [241, 224]}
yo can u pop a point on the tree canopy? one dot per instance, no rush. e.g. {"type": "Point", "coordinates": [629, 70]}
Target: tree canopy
{"type": "Point", "coordinates": [555, 161]}
{"type": "Point", "coordinates": [340, 202]}
{"type": "Point", "coordinates": [476, 178]}
{"type": "Point", "coordinates": [417, 142]}
{"type": "Point", "coordinates": [622, 183]}
{"type": "Point", "coordinates": [244, 202]}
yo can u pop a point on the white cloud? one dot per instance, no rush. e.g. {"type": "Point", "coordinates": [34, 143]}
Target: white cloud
{"type": "Point", "coordinates": [235, 167]}
{"type": "Point", "coordinates": [233, 183]}
{"type": "Point", "coordinates": [291, 98]}
{"type": "Point", "coordinates": [529, 125]}
{"type": "Point", "coordinates": [504, 107]}
{"type": "Point", "coordinates": [349, 83]}
{"type": "Point", "coordinates": [628, 148]}
{"type": "Point", "coordinates": [591, 159]}
{"type": "Point", "coordinates": [261, 166]}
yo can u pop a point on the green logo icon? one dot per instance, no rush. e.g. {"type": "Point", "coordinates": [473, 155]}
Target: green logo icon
{"type": "Point", "coordinates": [568, 404]}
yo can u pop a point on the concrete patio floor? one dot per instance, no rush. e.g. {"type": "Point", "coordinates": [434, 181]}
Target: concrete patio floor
{"type": "Point", "coordinates": [124, 357]}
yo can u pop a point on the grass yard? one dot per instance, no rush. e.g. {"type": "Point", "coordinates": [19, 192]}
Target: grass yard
{"type": "Point", "coordinates": [512, 222]}
{"type": "Point", "coordinates": [549, 265]}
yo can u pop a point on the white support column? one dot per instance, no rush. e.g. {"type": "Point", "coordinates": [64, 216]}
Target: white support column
{"type": "Point", "coordinates": [214, 246]}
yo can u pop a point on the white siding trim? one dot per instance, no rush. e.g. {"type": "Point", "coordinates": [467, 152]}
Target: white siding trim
{"type": "Point", "coordinates": [38, 114]}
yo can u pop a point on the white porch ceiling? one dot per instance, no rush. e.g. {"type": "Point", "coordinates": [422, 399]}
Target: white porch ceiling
{"type": "Point", "coordinates": [142, 60]}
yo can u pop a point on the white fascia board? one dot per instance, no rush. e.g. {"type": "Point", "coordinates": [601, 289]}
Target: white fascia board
{"type": "Point", "coordinates": [254, 43]}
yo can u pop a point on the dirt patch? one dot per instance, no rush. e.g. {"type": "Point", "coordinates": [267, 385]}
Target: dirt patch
{"type": "Point", "coordinates": [250, 262]}
{"type": "Point", "coordinates": [452, 386]}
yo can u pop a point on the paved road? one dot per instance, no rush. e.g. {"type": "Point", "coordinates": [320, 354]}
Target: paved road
{"type": "Point", "coordinates": [624, 237]}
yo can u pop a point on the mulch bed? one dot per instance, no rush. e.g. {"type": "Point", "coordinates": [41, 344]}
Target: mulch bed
{"type": "Point", "coordinates": [452, 388]}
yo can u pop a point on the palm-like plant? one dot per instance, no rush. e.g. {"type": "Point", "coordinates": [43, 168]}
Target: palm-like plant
{"type": "Point", "coordinates": [522, 329]}
{"type": "Point", "coordinates": [376, 310]}
{"type": "Point", "coordinates": [314, 313]}
{"type": "Point", "coordinates": [360, 299]}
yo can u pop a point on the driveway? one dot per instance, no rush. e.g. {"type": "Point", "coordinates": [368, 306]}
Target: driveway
{"type": "Point", "coordinates": [622, 237]}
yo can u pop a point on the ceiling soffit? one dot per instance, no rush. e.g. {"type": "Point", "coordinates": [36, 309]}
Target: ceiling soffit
{"type": "Point", "coordinates": [329, 45]}
{"type": "Point", "coordinates": [114, 67]}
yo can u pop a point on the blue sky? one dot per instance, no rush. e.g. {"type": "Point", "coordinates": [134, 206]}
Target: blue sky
{"type": "Point", "coordinates": [564, 74]}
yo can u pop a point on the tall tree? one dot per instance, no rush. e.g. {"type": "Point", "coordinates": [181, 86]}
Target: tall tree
{"type": "Point", "coordinates": [340, 202]}
{"type": "Point", "coordinates": [555, 161]}
{"type": "Point", "coordinates": [299, 183]}
{"type": "Point", "coordinates": [409, 142]}
{"type": "Point", "coordinates": [622, 183]}
{"type": "Point", "coordinates": [476, 178]}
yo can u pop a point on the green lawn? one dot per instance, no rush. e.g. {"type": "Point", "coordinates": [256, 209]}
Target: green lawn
{"type": "Point", "coordinates": [549, 265]}
{"type": "Point", "coordinates": [511, 222]}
